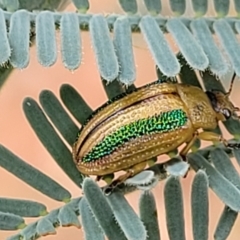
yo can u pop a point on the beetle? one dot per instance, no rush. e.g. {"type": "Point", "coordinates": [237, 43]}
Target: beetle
{"type": "Point", "coordinates": [128, 131]}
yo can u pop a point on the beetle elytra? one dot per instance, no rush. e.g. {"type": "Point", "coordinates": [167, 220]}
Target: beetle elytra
{"type": "Point", "coordinates": [155, 119]}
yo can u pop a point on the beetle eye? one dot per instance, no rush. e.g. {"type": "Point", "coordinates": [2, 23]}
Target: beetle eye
{"type": "Point", "coordinates": [227, 113]}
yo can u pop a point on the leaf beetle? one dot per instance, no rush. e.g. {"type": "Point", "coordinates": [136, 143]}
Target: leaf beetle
{"type": "Point", "coordinates": [128, 131]}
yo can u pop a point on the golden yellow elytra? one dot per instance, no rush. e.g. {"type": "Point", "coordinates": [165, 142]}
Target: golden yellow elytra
{"type": "Point", "coordinates": [155, 119]}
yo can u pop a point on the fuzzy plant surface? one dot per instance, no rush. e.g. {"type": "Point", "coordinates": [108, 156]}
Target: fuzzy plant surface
{"type": "Point", "coordinates": [54, 121]}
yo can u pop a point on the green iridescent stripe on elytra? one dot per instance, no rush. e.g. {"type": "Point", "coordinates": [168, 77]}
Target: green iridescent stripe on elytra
{"type": "Point", "coordinates": [164, 122]}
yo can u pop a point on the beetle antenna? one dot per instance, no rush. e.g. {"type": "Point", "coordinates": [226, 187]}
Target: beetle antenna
{"type": "Point", "coordinates": [231, 84]}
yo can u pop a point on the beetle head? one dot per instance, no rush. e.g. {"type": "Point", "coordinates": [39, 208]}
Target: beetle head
{"type": "Point", "coordinates": [221, 103]}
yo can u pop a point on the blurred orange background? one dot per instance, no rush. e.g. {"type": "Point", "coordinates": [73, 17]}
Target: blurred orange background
{"type": "Point", "coordinates": [16, 134]}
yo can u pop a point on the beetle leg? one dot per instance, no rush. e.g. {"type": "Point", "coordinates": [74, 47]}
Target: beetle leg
{"type": "Point", "coordinates": [151, 162]}
{"type": "Point", "coordinates": [211, 136]}
{"type": "Point", "coordinates": [214, 137]}
{"type": "Point", "coordinates": [129, 173]}
{"type": "Point", "coordinates": [108, 178]}
{"type": "Point", "coordinates": [98, 178]}
{"type": "Point", "coordinates": [185, 150]}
